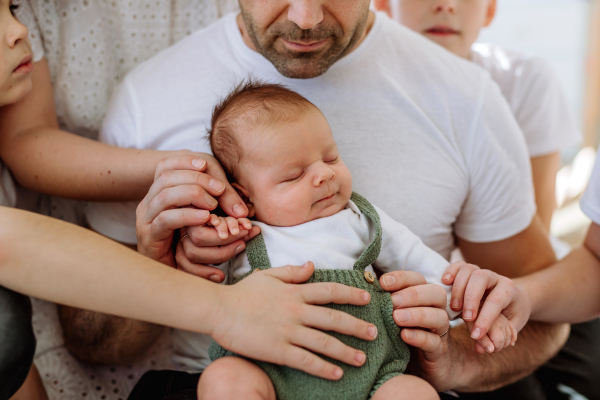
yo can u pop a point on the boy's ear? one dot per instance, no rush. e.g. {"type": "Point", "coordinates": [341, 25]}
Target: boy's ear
{"type": "Point", "coordinates": [491, 13]}
{"type": "Point", "coordinates": [383, 5]}
{"type": "Point", "coordinates": [245, 195]}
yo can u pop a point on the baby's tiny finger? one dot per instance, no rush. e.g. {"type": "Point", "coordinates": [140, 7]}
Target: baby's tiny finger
{"type": "Point", "coordinates": [498, 337]}
{"type": "Point", "coordinates": [479, 348]}
{"type": "Point", "coordinates": [451, 272]}
{"type": "Point", "coordinates": [222, 229]}
{"type": "Point", "coordinates": [232, 223]}
{"type": "Point", "coordinates": [245, 223]}
{"type": "Point", "coordinates": [214, 220]}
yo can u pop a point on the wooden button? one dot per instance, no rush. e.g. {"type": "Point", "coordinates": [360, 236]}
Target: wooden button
{"type": "Point", "coordinates": [369, 277]}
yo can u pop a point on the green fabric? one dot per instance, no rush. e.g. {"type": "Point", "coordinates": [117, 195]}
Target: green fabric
{"type": "Point", "coordinates": [387, 356]}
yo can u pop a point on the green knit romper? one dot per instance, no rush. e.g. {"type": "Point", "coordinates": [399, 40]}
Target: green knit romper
{"type": "Point", "coordinates": [387, 356]}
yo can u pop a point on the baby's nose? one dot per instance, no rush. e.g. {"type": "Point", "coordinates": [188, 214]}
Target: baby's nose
{"type": "Point", "coordinates": [324, 175]}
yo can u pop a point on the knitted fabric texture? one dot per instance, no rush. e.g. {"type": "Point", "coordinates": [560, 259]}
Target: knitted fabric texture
{"type": "Point", "coordinates": [387, 356]}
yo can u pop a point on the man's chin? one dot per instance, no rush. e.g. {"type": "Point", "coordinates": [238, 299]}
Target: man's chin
{"type": "Point", "coordinates": [301, 68]}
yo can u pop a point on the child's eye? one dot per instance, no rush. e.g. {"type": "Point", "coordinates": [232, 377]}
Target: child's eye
{"type": "Point", "coordinates": [296, 177]}
{"type": "Point", "coordinates": [13, 8]}
{"type": "Point", "coordinates": [333, 161]}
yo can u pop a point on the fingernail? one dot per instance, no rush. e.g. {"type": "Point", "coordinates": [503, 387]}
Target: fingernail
{"type": "Point", "coordinates": [239, 210]}
{"type": "Point", "coordinates": [198, 162]}
{"type": "Point", "coordinates": [223, 235]}
{"type": "Point", "coordinates": [475, 334]}
{"type": "Point", "coordinates": [305, 265]}
{"type": "Point", "coordinates": [235, 231]}
{"type": "Point", "coordinates": [360, 357]}
{"type": "Point", "coordinates": [337, 373]}
{"type": "Point", "coordinates": [372, 331]}
{"type": "Point", "coordinates": [490, 349]}
{"type": "Point", "coordinates": [239, 249]}
{"type": "Point", "coordinates": [397, 300]}
{"type": "Point", "coordinates": [447, 277]}
{"type": "Point", "coordinates": [202, 214]}
{"type": "Point", "coordinates": [210, 200]}
{"type": "Point", "coordinates": [455, 304]}
{"type": "Point", "coordinates": [215, 278]}
{"type": "Point", "coordinates": [389, 280]}
{"type": "Point", "coordinates": [467, 315]}
{"type": "Point", "coordinates": [402, 315]}
{"type": "Point", "coordinates": [365, 296]}
{"type": "Point", "coordinates": [216, 185]}
{"type": "Point", "coordinates": [410, 334]}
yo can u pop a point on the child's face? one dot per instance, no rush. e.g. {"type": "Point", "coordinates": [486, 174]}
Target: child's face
{"type": "Point", "coordinates": [453, 24]}
{"type": "Point", "coordinates": [15, 57]}
{"type": "Point", "coordinates": [292, 172]}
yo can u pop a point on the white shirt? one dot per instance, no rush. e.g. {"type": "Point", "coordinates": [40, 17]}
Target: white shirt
{"type": "Point", "coordinates": [590, 201]}
{"type": "Point", "coordinates": [534, 94]}
{"type": "Point", "coordinates": [335, 242]}
{"type": "Point", "coordinates": [426, 135]}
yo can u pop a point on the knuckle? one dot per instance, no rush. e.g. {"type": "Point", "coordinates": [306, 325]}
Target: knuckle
{"type": "Point", "coordinates": [334, 316]}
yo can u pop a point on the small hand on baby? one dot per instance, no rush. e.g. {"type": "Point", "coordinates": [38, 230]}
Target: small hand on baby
{"type": "Point", "coordinates": [226, 225]}
{"type": "Point", "coordinates": [504, 312]}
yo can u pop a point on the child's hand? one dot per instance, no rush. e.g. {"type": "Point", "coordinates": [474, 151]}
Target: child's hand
{"type": "Point", "coordinates": [226, 225]}
{"type": "Point", "coordinates": [503, 314]}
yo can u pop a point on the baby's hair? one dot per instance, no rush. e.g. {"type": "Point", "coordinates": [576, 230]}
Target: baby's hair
{"type": "Point", "coordinates": [251, 104]}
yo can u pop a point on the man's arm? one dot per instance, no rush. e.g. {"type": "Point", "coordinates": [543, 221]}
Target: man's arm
{"type": "Point", "coordinates": [46, 159]}
{"type": "Point", "coordinates": [522, 254]}
{"type": "Point", "coordinates": [544, 170]}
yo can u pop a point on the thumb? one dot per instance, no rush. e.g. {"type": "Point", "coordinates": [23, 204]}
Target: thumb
{"type": "Point", "coordinates": [292, 273]}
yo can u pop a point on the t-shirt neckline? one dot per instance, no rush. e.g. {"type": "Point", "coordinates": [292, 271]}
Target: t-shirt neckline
{"type": "Point", "coordinates": [255, 60]}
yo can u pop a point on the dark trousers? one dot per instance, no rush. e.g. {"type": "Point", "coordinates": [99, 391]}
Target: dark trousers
{"type": "Point", "coordinates": [574, 371]}
{"type": "Point", "coordinates": [17, 342]}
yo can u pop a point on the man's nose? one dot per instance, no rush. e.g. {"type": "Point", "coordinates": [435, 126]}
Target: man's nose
{"type": "Point", "coordinates": [17, 32]}
{"type": "Point", "coordinates": [323, 175]}
{"type": "Point", "coordinates": [306, 13]}
{"type": "Point", "coordinates": [448, 6]}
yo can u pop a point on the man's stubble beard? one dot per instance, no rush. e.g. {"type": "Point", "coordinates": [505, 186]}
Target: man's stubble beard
{"type": "Point", "coordinates": [304, 65]}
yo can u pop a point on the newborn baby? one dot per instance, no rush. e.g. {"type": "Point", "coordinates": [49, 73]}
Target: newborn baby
{"type": "Point", "coordinates": [279, 153]}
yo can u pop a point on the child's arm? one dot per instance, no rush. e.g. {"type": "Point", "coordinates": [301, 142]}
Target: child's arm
{"type": "Point", "coordinates": [504, 312]}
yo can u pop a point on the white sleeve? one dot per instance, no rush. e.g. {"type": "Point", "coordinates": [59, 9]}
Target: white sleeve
{"type": "Point", "coordinates": [501, 200]}
{"type": "Point", "coordinates": [541, 110]}
{"type": "Point", "coordinates": [590, 202]}
{"type": "Point", "coordinates": [27, 17]}
{"type": "Point", "coordinates": [120, 128]}
{"type": "Point", "coordinates": [402, 250]}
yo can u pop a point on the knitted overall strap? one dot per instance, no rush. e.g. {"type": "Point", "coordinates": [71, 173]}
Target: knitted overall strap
{"type": "Point", "coordinates": [259, 258]}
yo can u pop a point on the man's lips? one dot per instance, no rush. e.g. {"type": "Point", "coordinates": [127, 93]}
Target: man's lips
{"type": "Point", "coordinates": [305, 46]}
{"type": "Point", "coordinates": [441, 30]}
{"type": "Point", "coordinates": [25, 67]}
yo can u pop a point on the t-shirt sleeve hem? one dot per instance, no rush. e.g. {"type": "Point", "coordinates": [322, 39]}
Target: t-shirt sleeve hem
{"type": "Point", "coordinates": [548, 147]}
{"type": "Point", "coordinates": [493, 232]}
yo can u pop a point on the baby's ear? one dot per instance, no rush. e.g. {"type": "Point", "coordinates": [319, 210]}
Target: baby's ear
{"type": "Point", "coordinates": [243, 193]}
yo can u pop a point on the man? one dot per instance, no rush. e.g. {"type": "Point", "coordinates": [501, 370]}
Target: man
{"type": "Point", "coordinates": [427, 137]}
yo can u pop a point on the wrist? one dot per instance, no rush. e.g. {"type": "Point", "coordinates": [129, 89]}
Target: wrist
{"type": "Point", "coordinates": [465, 366]}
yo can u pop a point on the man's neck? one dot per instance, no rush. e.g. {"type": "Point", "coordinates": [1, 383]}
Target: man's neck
{"type": "Point", "coordinates": [248, 41]}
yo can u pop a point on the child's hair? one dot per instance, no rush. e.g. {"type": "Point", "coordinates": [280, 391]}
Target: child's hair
{"type": "Point", "coordinates": [251, 104]}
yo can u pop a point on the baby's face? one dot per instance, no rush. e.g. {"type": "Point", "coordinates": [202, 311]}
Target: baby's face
{"type": "Point", "coordinates": [15, 57]}
{"type": "Point", "coordinates": [292, 171]}
{"type": "Point", "coordinates": [453, 24]}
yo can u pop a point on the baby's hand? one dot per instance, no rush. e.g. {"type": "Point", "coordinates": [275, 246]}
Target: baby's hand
{"type": "Point", "coordinates": [226, 225]}
{"type": "Point", "coordinates": [503, 314]}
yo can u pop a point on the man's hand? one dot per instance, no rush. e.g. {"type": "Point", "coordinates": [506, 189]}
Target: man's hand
{"type": "Point", "coordinates": [420, 308]}
{"type": "Point", "coordinates": [181, 182]}
{"type": "Point", "coordinates": [268, 317]}
{"type": "Point", "coordinates": [503, 314]}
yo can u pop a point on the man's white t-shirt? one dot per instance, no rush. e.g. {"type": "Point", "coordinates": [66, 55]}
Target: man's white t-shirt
{"type": "Point", "coordinates": [534, 95]}
{"type": "Point", "coordinates": [590, 201]}
{"type": "Point", "coordinates": [427, 136]}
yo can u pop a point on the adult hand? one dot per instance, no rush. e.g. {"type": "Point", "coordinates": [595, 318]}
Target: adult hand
{"type": "Point", "coordinates": [268, 318]}
{"type": "Point", "coordinates": [420, 308]}
{"type": "Point", "coordinates": [182, 181]}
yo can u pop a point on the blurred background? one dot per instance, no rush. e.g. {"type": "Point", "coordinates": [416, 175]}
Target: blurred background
{"type": "Point", "coordinates": [567, 34]}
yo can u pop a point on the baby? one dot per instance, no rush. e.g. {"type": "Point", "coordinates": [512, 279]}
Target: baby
{"type": "Point", "coordinates": [279, 153]}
